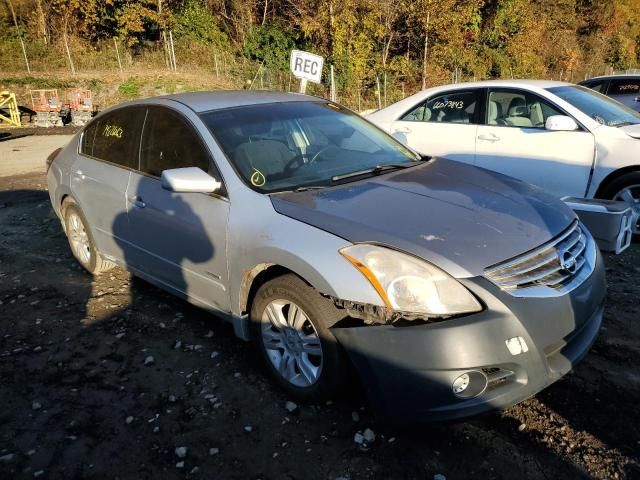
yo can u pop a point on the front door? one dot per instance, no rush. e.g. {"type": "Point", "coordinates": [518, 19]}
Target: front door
{"type": "Point", "coordinates": [444, 125]}
{"type": "Point", "coordinates": [178, 238]}
{"type": "Point", "coordinates": [514, 141]}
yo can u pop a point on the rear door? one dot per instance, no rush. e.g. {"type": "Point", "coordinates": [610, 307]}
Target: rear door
{"type": "Point", "coordinates": [514, 141]}
{"type": "Point", "coordinates": [100, 175]}
{"type": "Point", "coordinates": [626, 91]}
{"type": "Point", "coordinates": [444, 125]}
{"type": "Point", "coordinates": [178, 238]}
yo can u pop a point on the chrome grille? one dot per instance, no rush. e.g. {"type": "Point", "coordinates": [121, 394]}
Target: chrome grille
{"type": "Point", "coordinates": [553, 264]}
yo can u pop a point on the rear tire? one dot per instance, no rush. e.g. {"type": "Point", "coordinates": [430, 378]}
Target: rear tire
{"type": "Point", "coordinates": [290, 326]}
{"type": "Point", "coordinates": [627, 189]}
{"type": "Point", "coordinates": [81, 241]}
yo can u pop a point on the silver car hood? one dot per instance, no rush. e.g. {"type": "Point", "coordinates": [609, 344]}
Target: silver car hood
{"type": "Point", "coordinates": [458, 217]}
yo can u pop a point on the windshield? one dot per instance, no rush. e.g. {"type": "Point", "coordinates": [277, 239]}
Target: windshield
{"type": "Point", "coordinates": [602, 109]}
{"type": "Point", "coordinates": [285, 146]}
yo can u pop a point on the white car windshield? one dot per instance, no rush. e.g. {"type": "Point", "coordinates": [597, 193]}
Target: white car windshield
{"type": "Point", "coordinates": [295, 145]}
{"type": "Point", "coordinates": [599, 107]}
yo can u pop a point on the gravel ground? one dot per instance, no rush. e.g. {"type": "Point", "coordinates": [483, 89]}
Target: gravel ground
{"type": "Point", "coordinates": [113, 378]}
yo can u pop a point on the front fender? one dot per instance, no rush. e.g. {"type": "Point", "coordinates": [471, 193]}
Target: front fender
{"type": "Point", "coordinates": [307, 251]}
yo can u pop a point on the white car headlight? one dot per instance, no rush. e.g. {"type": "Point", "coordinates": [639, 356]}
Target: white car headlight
{"type": "Point", "coordinates": [408, 284]}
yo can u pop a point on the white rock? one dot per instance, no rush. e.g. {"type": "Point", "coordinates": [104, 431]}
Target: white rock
{"type": "Point", "coordinates": [369, 436]}
{"type": "Point", "coordinates": [129, 420]}
{"type": "Point", "coordinates": [214, 451]}
{"type": "Point", "coordinates": [209, 334]}
{"type": "Point", "coordinates": [248, 428]}
{"type": "Point", "coordinates": [358, 438]}
{"type": "Point", "coordinates": [439, 476]}
{"type": "Point", "coordinates": [214, 354]}
{"type": "Point", "coordinates": [172, 398]}
{"type": "Point", "coordinates": [180, 464]}
{"type": "Point", "coordinates": [177, 345]}
{"type": "Point", "coordinates": [149, 360]}
{"type": "Point", "coordinates": [36, 406]}
{"type": "Point", "coordinates": [355, 416]}
{"type": "Point", "coordinates": [181, 452]}
{"type": "Point", "coordinates": [39, 473]}
{"type": "Point", "coordinates": [290, 406]}
{"type": "Point", "coordinates": [7, 458]}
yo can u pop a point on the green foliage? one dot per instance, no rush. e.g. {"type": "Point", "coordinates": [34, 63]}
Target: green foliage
{"type": "Point", "coordinates": [196, 24]}
{"type": "Point", "coordinates": [271, 43]}
{"type": "Point", "coordinates": [130, 88]}
{"type": "Point", "coordinates": [620, 54]}
{"type": "Point", "coordinates": [34, 82]}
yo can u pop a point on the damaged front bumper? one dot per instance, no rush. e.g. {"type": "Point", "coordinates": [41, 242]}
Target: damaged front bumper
{"type": "Point", "coordinates": [409, 371]}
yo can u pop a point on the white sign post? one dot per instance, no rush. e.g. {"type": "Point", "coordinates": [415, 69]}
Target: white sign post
{"type": "Point", "coordinates": [307, 67]}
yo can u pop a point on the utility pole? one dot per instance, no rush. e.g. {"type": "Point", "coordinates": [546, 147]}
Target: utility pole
{"type": "Point", "coordinates": [424, 56]}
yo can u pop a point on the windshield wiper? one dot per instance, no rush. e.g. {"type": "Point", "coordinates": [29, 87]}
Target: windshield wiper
{"type": "Point", "coordinates": [378, 169]}
{"type": "Point", "coordinates": [310, 187]}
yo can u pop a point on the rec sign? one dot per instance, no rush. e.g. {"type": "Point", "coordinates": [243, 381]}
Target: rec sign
{"type": "Point", "coordinates": [306, 66]}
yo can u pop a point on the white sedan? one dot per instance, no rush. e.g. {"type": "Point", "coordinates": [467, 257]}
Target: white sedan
{"type": "Point", "coordinates": [565, 138]}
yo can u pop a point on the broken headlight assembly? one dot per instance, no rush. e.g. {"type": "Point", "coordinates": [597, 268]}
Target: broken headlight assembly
{"type": "Point", "coordinates": [408, 284]}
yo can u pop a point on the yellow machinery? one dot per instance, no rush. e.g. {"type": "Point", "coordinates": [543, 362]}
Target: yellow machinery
{"type": "Point", "coordinates": [8, 102]}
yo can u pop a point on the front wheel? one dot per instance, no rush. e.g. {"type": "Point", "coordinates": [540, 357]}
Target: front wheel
{"type": "Point", "coordinates": [290, 322]}
{"type": "Point", "coordinates": [627, 189]}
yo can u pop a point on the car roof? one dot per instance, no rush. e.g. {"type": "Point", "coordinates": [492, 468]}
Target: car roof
{"type": "Point", "coordinates": [508, 83]}
{"type": "Point", "coordinates": [205, 101]}
{"type": "Point", "coordinates": [632, 76]}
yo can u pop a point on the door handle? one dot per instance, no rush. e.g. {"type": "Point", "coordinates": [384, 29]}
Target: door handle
{"type": "Point", "coordinates": [137, 201]}
{"type": "Point", "coordinates": [402, 130]}
{"type": "Point", "coordinates": [489, 137]}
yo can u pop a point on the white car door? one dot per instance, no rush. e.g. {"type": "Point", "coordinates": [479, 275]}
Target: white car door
{"type": "Point", "coordinates": [514, 141]}
{"type": "Point", "coordinates": [444, 125]}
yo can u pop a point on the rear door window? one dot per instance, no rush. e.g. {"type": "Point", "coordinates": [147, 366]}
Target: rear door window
{"type": "Point", "coordinates": [597, 85]}
{"type": "Point", "coordinates": [114, 136]}
{"type": "Point", "coordinates": [168, 141]}
{"type": "Point", "coordinates": [449, 107]}
{"type": "Point", "coordinates": [624, 87]}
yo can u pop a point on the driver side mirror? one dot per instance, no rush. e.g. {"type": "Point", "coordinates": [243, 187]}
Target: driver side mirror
{"type": "Point", "coordinates": [188, 180]}
{"type": "Point", "coordinates": [561, 123]}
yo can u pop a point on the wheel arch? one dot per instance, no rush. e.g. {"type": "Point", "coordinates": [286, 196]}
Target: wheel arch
{"type": "Point", "coordinates": [616, 174]}
{"type": "Point", "coordinates": [257, 276]}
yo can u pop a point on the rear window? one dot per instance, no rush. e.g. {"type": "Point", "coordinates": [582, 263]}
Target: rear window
{"type": "Point", "coordinates": [114, 137]}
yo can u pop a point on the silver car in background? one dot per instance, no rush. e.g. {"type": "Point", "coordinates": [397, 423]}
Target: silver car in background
{"type": "Point", "coordinates": [452, 290]}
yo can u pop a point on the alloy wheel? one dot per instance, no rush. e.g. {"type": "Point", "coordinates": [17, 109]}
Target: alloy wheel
{"type": "Point", "coordinates": [79, 238]}
{"type": "Point", "coordinates": [291, 343]}
{"type": "Point", "coordinates": [631, 195]}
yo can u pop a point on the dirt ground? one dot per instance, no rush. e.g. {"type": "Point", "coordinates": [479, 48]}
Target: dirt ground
{"type": "Point", "coordinates": [106, 377]}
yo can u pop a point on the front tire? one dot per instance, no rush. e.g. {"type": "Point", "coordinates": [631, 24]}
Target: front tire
{"type": "Point", "coordinates": [290, 322]}
{"type": "Point", "coordinates": [627, 189]}
{"type": "Point", "coordinates": [80, 240]}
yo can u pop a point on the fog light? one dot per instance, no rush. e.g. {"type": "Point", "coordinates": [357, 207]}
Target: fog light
{"type": "Point", "coordinates": [461, 383]}
{"type": "Point", "coordinates": [470, 384]}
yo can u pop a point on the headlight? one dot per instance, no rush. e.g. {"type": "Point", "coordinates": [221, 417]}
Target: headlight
{"type": "Point", "coordinates": [408, 284]}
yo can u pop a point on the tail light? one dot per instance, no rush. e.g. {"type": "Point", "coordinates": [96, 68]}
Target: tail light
{"type": "Point", "coordinates": [52, 156]}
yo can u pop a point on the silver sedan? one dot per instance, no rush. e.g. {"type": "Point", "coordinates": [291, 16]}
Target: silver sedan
{"type": "Point", "coordinates": [451, 290]}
